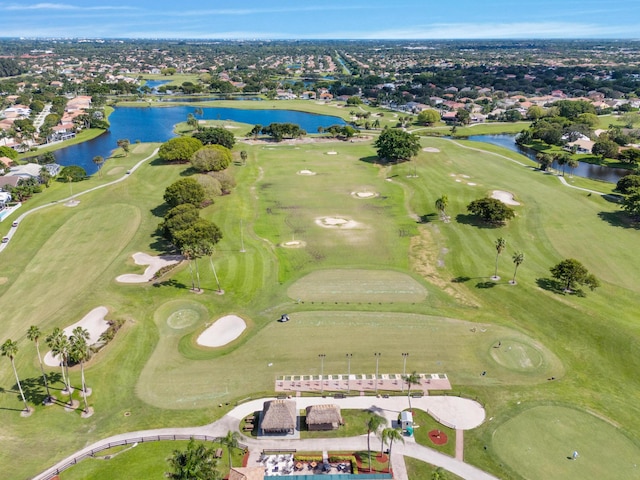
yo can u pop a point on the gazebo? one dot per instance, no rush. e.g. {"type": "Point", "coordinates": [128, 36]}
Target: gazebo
{"type": "Point", "coordinates": [323, 417]}
{"type": "Point", "coordinates": [279, 416]}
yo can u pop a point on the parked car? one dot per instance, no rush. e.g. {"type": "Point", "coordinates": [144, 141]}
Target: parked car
{"type": "Point", "coordinates": [14, 224]}
{"type": "Point", "coordinates": [284, 318]}
{"type": "Point", "coordinates": [5, 239]}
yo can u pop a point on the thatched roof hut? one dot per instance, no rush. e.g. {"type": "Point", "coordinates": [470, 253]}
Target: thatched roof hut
{"type": "Point", "coordinates": [323, 417]}
{"type": "Point", "coordinates": [279, 416]}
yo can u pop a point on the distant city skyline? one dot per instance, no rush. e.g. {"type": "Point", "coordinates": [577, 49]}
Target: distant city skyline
{"type": "Point", "coordinates": [329, 19]}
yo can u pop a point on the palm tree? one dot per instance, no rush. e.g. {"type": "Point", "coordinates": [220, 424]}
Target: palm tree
{"type": "Point", "coordinates": [411, 379]}
{"type": "Point", "coordinates": [197, 462]}
{"type": "Point", "coordinates": [441, 204]}
{"type": "Point", "coordinates": [561, 159]}
{"type": "Point", "coordinates": [518, 258]}
{"type": "Point", "coordinates": [545, 161]}
{"type": "Point", "coordinates": [230, 440]}
{"type": "Point", "coordinates": [59, 345]}
{"type": "Point", "coordinates": [501, 243]}
{"type": "Point", "coordinates": [98, 160]}
{"type": "Point", "coordinates": [10, 349]}
{"type": "Point", "coordinates": [389, 435]}
{"type": "Point", "coordinates": [374, 422]}
{"type": "Point", "coordinates": [79, 350]}
{"type": "Point", "coordinates": [34, 334]}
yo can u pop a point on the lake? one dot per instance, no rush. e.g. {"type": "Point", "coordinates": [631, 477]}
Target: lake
{"type": "Point", "coordinates": [586, 170]}
{"type": "Point", "coordinates": [151, 124]}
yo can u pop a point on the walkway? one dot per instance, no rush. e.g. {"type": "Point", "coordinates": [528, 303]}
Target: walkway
{"type": "Point", "coordinates": [73, 197]}
{"type": "Point", "coordinates": [463, 413]}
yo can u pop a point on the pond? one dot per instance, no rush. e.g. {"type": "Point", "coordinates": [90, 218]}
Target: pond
{"type": "Point", "coordinates": [586, 170]}
{"type": "Point", "coordinates": [151, 124]}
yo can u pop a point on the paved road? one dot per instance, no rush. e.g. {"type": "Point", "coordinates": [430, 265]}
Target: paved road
{"type": "Point", "coordinates": [457, 410]}
{"type": "Point", "coordinates": [12, 231]}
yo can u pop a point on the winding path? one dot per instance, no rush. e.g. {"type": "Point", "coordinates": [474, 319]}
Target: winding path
{"type": "Point", "coordinates": [464, 413]}
{"type": "Point", "coordinates": [13, 230]}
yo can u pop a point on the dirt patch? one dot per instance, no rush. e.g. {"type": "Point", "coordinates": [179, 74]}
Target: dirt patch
{"type": "Point", "coordinates": [3, 280]}
{"type": "Point", "coordinates": [336, 222]}
{"type": "Point", "coordinates": [293, 244]}
{"type": "Point", "coordinates": [426, 256]}
{"type": "Point", "coordinates": [438, 437]}
{"type": "Point", "coordinates": [306, 172]}
{"type": "Point", "coordinates": [364, 195]}
{"type": "Point", "coordinates": [431, 150]}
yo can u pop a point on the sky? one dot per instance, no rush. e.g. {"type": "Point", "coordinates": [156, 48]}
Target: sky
{"type": "Point", "coordinates": [322, 19]}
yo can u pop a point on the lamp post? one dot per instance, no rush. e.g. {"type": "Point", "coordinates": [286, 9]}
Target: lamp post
{"type": "Point", "coordinates": [404, 368]}
{"type": "Point", "coordinates": [349, 355]}
{"type": "Point", "coordinates": [377, 355]}
{"type": "Point", "coordinates": [321, 356]}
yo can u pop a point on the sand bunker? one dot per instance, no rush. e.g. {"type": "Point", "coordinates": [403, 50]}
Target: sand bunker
{"type": "Point", "coordinates": [223, 331]}
{"type": "Point", "coordinates": [431, 150]}
{"type": "Point", "coordinates": [364, 194]}
{"type": "Point", "coordinates": [306, 172]}
{"type": "Point", "coordinates": [334, 222]}
{"type": "Point", "coordinates": [504, 197]}
{"type": "Point", "coordinates": [332, 153]}
{"type": "Point", "coordinates": [293, 244]}
{"type": "Point", "coordinates": [93, 321]}
{"type": "Point", "coordinates": [471, 184]}
{"type": "Point", "coordinates": [155, 264]}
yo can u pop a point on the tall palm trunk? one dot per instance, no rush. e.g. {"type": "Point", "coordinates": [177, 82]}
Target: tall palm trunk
{"type": "Point", "coordinates": [44, 375]}
{"type": "Point", "coordinates": [197, 273]}
{"type": "Point", "coordinates": [389, 461]}
{"type": "Point", "coordinates": [26, 405]}
{"type": "Point", "coordinates": [215, 274]}
{"type": "Point", "coordinates": [193, 282]}
{"type": "Point", "coordinates": [84, 387]}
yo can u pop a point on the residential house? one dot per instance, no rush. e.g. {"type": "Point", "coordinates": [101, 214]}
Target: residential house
{"type": "Point", "coordinates": [30, 170]}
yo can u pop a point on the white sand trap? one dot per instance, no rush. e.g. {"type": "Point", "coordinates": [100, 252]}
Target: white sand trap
{"type": "Point", "coordinates": [332, 153]}
{"type": "Point", "coordinates": [306, 172]}
{"type": "Point", "coordinates": [155, 264]}
{"type": "Point", "coordinates": [504, 197]}
{"type": "Point", "coordinates": [293, 244]}
{"type": "Point", "coordinates": [471, 184]}
{"type": "Point", "coordinates": [333, 222]}
{"type": "Point", "coordinates": [223, 331]}
{"type": "Point", "coordinates": [458, 180]}
{"type": "Point", "coordinates": [364, 194]}
{"type": "Point", "coordinates": [431, 150]}
{"type": "Point", "coordinates": [72, 203]}
{"type": "Point", "coordinates": [93, 321]}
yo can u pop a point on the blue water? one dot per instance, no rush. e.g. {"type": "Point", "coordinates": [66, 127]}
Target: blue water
{"type": "Point", "coordinates": [154, 84]}
{"type": "Point", "coordinates": [586, 170]}
{"type": "Point", "coordinates": [149, 124]}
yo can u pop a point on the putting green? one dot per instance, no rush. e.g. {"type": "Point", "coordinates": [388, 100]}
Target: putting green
{"type": "Point", "coordinates": [357, 286]}
{"type": "Point", "coordinates": [180, 314]}
{"type": "Point", "coordinates": [516, 355]}
{"type": "Point", "coordinates": [538, 443]}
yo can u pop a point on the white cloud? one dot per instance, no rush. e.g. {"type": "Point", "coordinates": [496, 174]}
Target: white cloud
{"type": "Point", "coordinates": [263, 11]}
{"type": "Point", "coordinates": [60, 6]}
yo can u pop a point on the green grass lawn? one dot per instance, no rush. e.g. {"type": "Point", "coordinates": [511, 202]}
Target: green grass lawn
{"type": "Point", "coordinates": [417, 470]}
{"type": "Point", "coordinates": [63, 262]}
{"type": "Point", "coordinates": [355, 423]}
{"type": "Point", "coordinates": [426, 423]}
{"type": "Point", "coordinates": [145, 460]}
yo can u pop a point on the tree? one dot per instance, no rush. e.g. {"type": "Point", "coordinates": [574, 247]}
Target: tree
{"type": "Point", "coordinates": [178, 218]}
{"type": "Point", "coordinates": [631, 202]}
{"type": "Point", "coordinates": [211, 158]}
{"type": "Point", "coordinates": [572, 273]}
{"type": "Point", "coordinates": [501, 243]}
{"type": "Point", "coordinates": [428, 117]}
{"type": "Point", "coordinates": [185, 190]}
{"type": "Point", "coordinates": [562, 159]}
{"type": "Point", "coordinates": [441, 205]}
{"type": "Point", "coordinates": [98, 160]}
{"type": "Point", "coordinates": [411, 379]}
{"type": "Point", "coordinates": [491, 210]}
{"type": "Point", "coordinates": [230, 440]}
{"type": "Point", "coordinates": [196, 241]}
{"type": "Point", "coordinates": [374, 423]}
{"type": "Point", "coordinates": [628, 184]}
{"type": "Point", "coordinates": [605, 148]}
{"type": "Point", "coordinates": [125, 145]}
{"type": "Point", "coordinates": [535, 112]}
{"type": "Point", "coordinates": [34, 335]}
{"type": "Point", "coordinates": [8, 152]}
{"type": "Point", "coordinates": [197, 462]}
{"type": "Point", "coordinates": [179, 149]}
{"type": "Point", "coordinates": [463, 116]}
{"type": "Point", "coordinates": [10, 349]}
{"type": "Point", "coordinates": [255, 131]}
{"type": "Point", "coordinates": [518, 258]}
{"type": "Point", "coordinates": [390, 435]}
{"type": "Point", "coordinates": [395, 145]}
{"type": "Point", "coordinates": [216, 136]}
{"type": "Point", "coordinates": [589, 119]}
{"type": "Point", "coordinates": [73, 173]}
{"type": "Point", "coordinates": [79, 352]}
{"type": "Point", "coordinates": [545, 160]}
{"type": "Point", "coordinates": [572, 163]}
{"type": "Point", "coordinates": [59, 345]}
